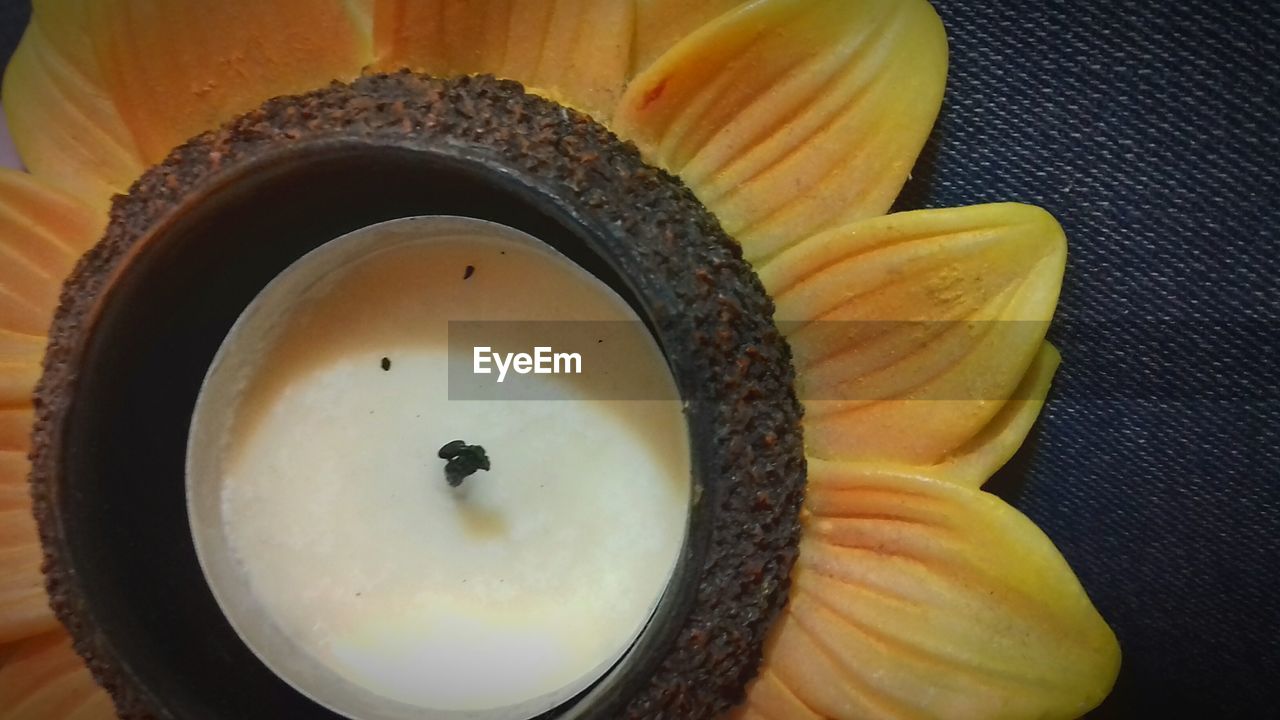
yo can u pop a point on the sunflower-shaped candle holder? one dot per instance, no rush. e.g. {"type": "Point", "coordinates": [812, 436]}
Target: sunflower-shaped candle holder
{"type": "Point", "coordinates": [849, 378]}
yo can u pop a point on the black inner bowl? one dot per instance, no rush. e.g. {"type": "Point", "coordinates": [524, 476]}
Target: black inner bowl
{"type": "Point", "coordinates": [157, 331]}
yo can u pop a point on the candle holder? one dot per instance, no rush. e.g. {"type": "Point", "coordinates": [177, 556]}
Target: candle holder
{"type": "Point", "coordinates": [200, 235]}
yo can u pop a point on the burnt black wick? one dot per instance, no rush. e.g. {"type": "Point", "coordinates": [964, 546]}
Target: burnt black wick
{"type": "Point", "coordinates": [464, 461]}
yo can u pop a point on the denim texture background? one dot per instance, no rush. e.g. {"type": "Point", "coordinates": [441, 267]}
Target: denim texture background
{"type": "Point", "coordinates": [1151, 129]}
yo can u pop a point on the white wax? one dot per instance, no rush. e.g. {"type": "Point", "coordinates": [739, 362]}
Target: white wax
{"type": "Point", "coordinates": [322, 516]}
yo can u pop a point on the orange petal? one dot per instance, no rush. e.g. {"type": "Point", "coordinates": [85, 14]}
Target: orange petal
{"type": "Point", "coordinates": [20, 347]}
{"type": "Point", "coordinates": [918, 598]}
{"type": "Point", "coordinates": [175, 69]}
{"type": "Point", "coordinates": [575, 51]}
{"type": "Point", "coordinates": [770, 698]}
{"type": "Point", "coordinates": [790, 117]}
{"type": "Point", "coordinates": [24, 607]}
{"type": "Point", "coordinates": [15, 431]}
{"type": "Point", "coordinates": [14, 494]}
{"type": "Point", "coordinates": [660, 24]}
{"type": "Point", "coordinates": [42, 234]}
{"type": "Point", "coordinates": [64, 123]}
{"type": "Point", "coordinates": [911, 332]}
{"type": "Point", "coordinates": [44, 679]}
{"type": "Point", "coordinates": [16, 382]}
{"type": "Point", "coordinates": [20, 358]}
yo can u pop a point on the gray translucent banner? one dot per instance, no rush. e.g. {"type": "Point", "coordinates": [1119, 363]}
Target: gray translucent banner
{"type": "Point", "coordinates": [867, 361]}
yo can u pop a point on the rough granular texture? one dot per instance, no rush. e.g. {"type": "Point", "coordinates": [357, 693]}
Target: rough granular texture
{"type": "Point", "coordinates": [730, 361]}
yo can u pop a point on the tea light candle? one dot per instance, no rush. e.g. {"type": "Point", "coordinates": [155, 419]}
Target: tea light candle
{"type": "Point", "coordinates": [320, 508]}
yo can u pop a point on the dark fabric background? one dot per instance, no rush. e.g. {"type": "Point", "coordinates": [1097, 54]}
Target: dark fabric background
{"type": "Point", "coordinates": [1150, 128]}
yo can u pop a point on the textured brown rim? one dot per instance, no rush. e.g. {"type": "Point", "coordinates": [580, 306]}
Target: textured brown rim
{"type": "Point", "coordinates": [753, 464]}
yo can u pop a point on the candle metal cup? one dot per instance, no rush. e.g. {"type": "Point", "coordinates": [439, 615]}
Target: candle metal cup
{"type": "Point", "coordinates": [146, 311]}
{"type": "Point", "coordinates": [341, 554]}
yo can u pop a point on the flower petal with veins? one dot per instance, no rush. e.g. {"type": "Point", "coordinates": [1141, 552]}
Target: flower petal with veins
{"type": "Point", "coordinates": [911, 332]}
{"type": "Point", "coordinates": [167, 71]}
{"type": "Point", "coordinates": [20, 349]}
{"type": "Point", "coordinates": [890, 563]}
{"type": "Point", "coordinates": [24, 607]}
{"type": "Point", "coordinates": [660, 24]}
{"type": "Point", "coordinates": [791, 117]}
{"type": "Point", "coordinates": [577, 52]}
{"type": "Point", "coordinates": [64, 123]}
{"type": "Point", "coordinates": [43, 679]}
{"type": "Point", "coordinates": [42, 234]}
{"type": "Point", "coordinates": [977, 460]}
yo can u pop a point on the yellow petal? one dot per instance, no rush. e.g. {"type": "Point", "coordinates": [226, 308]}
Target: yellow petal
{"type": "Point", "coordinates": [918, 598]}
{"type": "Point", "coordinates": [790, 117]}
{"type": "Point", "coordinates": [16, 382]}
{"type": "Point", "coordinates": [64, 123]}
{"type": "Point", "coordinates": [975, 462]}
{"type": "Point", "coordinates": [42, 234]}
{"type": "Point", "coordinates": [575, 51]}
{"type": "Point", "coordinates": [20, 347]}
{"type": "Point", "coordinates": [175, 69]}
{"type": "Point", "coordinates": [15, 431]}
{"type": "Point", "coordinates": [770, 699]}
{"type": "Point", "coordinates": [660, 24]}
{"type": "Point", "coordinates": [20, 357]}
{"type": "Point", "coordinates": [43, 679]}
{"type": "Point", "coordinates": [13, 482]}
{"type": "Point", "coordinates": [15, 438]}
{"type": "Point", "coordinates": [911, 332]}
{"type": "Point", "coordinates": [24, 607]}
